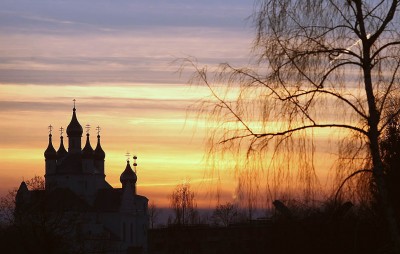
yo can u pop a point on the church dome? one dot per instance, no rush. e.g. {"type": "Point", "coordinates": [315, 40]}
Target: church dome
{"type": "Point", "coordinates": [74, 129]}
{"type": "Point", "coordinates": [50, 153]}
{"type": "Point", "coordinates": [87, 151]}
{"type": "Point", "coordinates": [99, 154]}
{"type": "Point", "coordinates": [128, 176]}
{"type": "Point", "coordinates": [61, 152]}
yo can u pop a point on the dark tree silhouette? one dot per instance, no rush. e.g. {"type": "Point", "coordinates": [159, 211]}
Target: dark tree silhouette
{"type": "Point", "coordinates": [43, 222]}
{"type": "Point", "coordinates": [184, 205]}
{"type": "Point", "coordinates": [36, 183]}
{"type": "Point", "coordinates": [7, 202]}
{"type": "Point", "coordinates": [225, 214]}
{"type": "Point", "coordinates": [154, 212]}
{"type": "Point", "coordinates": [390, 150]}
{"type": "Point", "coordinates": [320, 65]}
{"type": "Point", "coordinates": [7, 206]}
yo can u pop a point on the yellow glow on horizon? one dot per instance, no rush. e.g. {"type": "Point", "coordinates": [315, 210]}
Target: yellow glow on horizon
{"type": "Point", "coordinates": [149, 120]}
{"type": "Point", "coordinates": [159, 133]}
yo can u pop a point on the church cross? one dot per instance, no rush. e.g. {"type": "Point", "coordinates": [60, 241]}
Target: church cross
{"type": "Point", "coordinates": [50, 129]}
{"type": "Point", "coordinates": [61, 130]}
{"type": "Point", "coordinates": [87, 128]}
{"type": "Point", "coordinates": [98, 130]}
{"type": "Point", "coordinates": [74, 102]}
{"type": "Point", "coordinates": [128, 154]}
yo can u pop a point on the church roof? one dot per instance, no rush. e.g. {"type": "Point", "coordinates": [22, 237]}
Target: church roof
{"type": "Point", "coordinates": [61, 152]}
{"type": "Point", "coordinates": [22, 187]}
{"type": "Point", "coordinates": [99, 154]}
{"type": "Point", "coordinates": [70, 200]}
{"type": "Point", "coordinates": [87, 151]}
{"type": "Point", "coordinates": [74, 128]}
{"type": "Point", "coordinates": [50, 200]}
{"type": "Point", "coordinates": [108, 200]}
{"type": "Point", "coordinates": [128, 175]}
{"type": "Point", "coordinates": [59, 200]}
{"type": "Point", "coordinates": [50, 153]}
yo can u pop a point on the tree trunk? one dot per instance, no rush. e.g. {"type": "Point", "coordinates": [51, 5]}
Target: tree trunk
{"type": "Point", "coordinates": [373, 136]}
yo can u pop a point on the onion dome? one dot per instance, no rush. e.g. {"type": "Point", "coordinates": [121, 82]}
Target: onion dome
{"type": "Point", "coordinates": [87, 151]}
{"type": "Point", "coordinates": [128, 176]}
{"type": "Point", "coordinates": [99, 154]}
{"type": "Point", "coordinates": [74, 129]}
{"type": "Point", "coordinates": [61, 152]}
{"type": "Point", "coordinates": [50, 153]}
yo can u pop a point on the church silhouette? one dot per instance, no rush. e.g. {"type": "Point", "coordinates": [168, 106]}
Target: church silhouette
{"type": "Point", "coordinates": [99, 217]}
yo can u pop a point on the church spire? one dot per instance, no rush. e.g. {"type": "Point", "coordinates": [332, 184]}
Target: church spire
{"type": "Point", "coordinates": [74, 132]}
{"type": "Point", "coordinates": [50, 153]}
{"type": "Point", "coordinates": [61, 152]}
{"type": "Point", "coordinates": [99, 154]}
{"type": "Point", "coordinates": [87, 152]}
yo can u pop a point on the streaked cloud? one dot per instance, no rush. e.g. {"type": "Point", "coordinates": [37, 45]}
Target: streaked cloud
{"type": "Point", "coordinates": [116, 58]}
{"type": "Point", "coordinates": [74, 42]}
{"type": "Point", "coordinates": [127, 13]}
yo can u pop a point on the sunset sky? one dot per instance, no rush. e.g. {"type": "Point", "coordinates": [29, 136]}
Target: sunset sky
{"type": "Point", "coordinates": [116, 59]}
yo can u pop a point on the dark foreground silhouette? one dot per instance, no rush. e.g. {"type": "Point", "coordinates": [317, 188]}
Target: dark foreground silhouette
{"type": "Point", "coordinates": [318, 233]}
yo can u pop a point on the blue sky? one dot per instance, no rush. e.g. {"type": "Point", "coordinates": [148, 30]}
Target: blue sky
{"type": "Point", "coordinates": [115, 58]}
{"type": "Point", "coordinates": [88, 41]}
{"type": "Point", "coordinates": [124, 14]}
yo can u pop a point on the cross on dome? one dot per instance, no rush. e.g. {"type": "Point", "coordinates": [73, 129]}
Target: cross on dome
{"type": "Point", "coordinates": [61, 130]}
{"type": "Point", "coordinates": [87, 128]}
{"type": "Point", "coordinates": [128, 155]}
{"type": "Point", "coordinates": [50, 129]}
{"type": "Point", "coordinates": [98, 130]}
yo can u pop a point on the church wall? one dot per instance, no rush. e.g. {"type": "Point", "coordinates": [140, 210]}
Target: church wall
{"type": "Point", "coordinates": [50, 167]}
{"type": "Point", "coordinates": [112, 221]}
{"type": "Point", "coordinates": [99, 164]}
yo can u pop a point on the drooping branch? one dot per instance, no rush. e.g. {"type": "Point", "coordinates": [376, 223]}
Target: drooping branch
{"type": "Point", "coordinates": [292, 96]}
{"type": "Point", "coordinates": [391, 83]}
{"type": "Point", "coordinates": [349, 177]}
{"type": "Point", "coordinates": [376, 53]}
{"type": "Point", "coordinates": [385, 22]}
{"type": "Point", "coordinates": [293, 130]}
{"type": "Point", "coordinates": [338, 96]}
{"type": "Point", "coordinates": [309, 53]}
{"type": "Point", "coordinates": [390, 118]}
{"type": "Point", "coordinates": [204, 79]}
{"type": "Point", "coordinates": [313, 126]}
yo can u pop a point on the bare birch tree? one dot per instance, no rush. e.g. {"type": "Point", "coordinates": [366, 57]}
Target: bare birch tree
{"type": "Point", "coordinates": [154, 213]}
{"type": "Point", "coordinates": [225, 214]}
{"type": "Point", "coordinates": [184, 205]}
{"type": "Point", "coordinates": [320, 65]}
{"type": "Point", "coordinates": [7, 202]}
{"type": "Point", "coordinates": [36, 183]}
